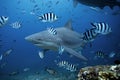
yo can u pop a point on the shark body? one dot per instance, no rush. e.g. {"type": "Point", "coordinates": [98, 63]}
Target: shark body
{"type": "Point", "coordinates": [66, 37]}
{"type": "Point", "coordinates": [97, 3]}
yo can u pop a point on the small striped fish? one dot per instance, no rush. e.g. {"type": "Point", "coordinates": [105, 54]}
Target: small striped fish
{"type": "Point", "coordinates": [48, 17]}
{"type": "Point", "coordinates": [89, 35]}
{"type": "Point", "coordinates": [101, 28]}
{"type": "Point", "coordinates": [67, 66]}
{"type": "Point", "coordinates": [52, 31]}
{"type": "Point", "coordinates": [3, 20]}
{"type": "Point", "coordinates": [100, 54]}
{"type": "Point", "coordinates": [61, 50]}
{"type": "Point", "coordinates": [16, 25]}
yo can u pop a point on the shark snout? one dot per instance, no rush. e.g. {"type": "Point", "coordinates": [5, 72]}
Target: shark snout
{"type": "Point", "coordinates": [33, 40]}
{"type": "Point", "coordinates": [29, 38]}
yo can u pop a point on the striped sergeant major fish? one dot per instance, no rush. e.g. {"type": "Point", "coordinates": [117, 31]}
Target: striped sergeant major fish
{"type": "Point", "coordinates": [100, 54]}
{"type": "Point", "coordinates": [3, 20]}
{"type": "Point", "coordinates": [89, 35]}
{"type": "Point", "coordinates": [52, 31]}
{"type": "Point", "coordinates": [16, 25]}
{"type": "Point", "coordinates": [68, 66]}
{"type": "Point", "coordinates": [101, 28]}
{"type": "Point", "coordinates": [48, 17]}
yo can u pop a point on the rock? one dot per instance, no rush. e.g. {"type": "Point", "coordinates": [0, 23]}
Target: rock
{"type": "Point", "coordinates": [100, 72]}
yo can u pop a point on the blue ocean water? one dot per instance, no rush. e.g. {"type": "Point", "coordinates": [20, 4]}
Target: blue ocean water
{"type": "Point", "coordinates": [25, 54]}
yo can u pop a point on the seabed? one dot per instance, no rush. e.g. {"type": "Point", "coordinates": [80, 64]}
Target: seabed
{"type": "Point", "coordinates": [40, 76]}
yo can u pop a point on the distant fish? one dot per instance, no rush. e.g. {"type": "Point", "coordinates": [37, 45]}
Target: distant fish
{"type": "Point", "coordinates": [1, 57]}
{"type": "Point", "coordinates": [16, 25]}
{"type": "Point", "coordinates": [3, 20]}
{"type": "Point", "coordinates": [57, 2]}
{"type": "Point", "coordinates": [62, 63]}
{"type": "Point", "coordinates": [23, 11]}
{"type": "Point", "coordinates": [48, 17]}
{"type": "Point", "coordinates": [37, 72]}
{"type": "Point", "coordinates": [52, 31]}
{"type": "Point", "coordinates": [61, 49]}
{"type": "Point", "coordinates": [41, 54]}
{"type": "Point", "coordinates": [100, 54]}
{"type": "Point", "coordinates": [18, 2]}
{"type": "Point", "coordinates": [35, 6]}
{"type": "Point", "coordinates": [67, 66]}
{"type": "Point", "coordinates": [112, 54]}
{"type": "Point", "coordinates": [32, 13]}
{"type": "Point", "coordinates": [101, 28]}
{"type": "Point", "coordinates": [33, 1]}
{"type": "Point", "coordinates": [14, 73]}
{"type": "Point", "coordinates": [89, 35]}
{"type": "Point", "coordinates": [3, 65]}
{"type": "Point", "coordinates": [51, 71]}
{"type": "Point", "coordinates": [7, 52]}
{"type": "Point", "coordinates": [26, 69]}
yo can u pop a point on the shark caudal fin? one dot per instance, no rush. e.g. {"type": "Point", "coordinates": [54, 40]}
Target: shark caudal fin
{"type": "Point", "coordinates": [72, 52]}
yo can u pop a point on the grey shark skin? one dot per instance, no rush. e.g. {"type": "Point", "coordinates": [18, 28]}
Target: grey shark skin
{"type": "Point", "coordinates": [97, 3]}
{"type": "Point", "coordinates": [66, 37]}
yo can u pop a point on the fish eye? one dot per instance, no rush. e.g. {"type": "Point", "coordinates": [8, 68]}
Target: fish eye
{"type": "Point", "coordinates": [5, 17]}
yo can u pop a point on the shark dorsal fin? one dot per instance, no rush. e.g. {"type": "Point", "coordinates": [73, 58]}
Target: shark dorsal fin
{"type": "Point", "coordinates": [75, 3]}
{"type": "Point", "coordinates": [68, 25]}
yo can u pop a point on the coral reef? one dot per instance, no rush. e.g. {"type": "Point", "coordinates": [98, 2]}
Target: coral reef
{"type": "Point", "coordinates": [100, 72]}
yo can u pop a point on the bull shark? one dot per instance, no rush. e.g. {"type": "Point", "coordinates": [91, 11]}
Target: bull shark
{"type": "Point", "coordinates": [71, 41]}
{"type": "Point", "coordinates": [97, 3]}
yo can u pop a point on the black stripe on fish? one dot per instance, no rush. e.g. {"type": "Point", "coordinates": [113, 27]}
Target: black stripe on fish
{"type": "Point", "coordinates": [107, 28]}
{"type": "Point", "coordinates": [102, 28]}
{"type": "Point", "coordinates": [44, 16]}
{"type": "Point", "coordinates": [3, 20]}
{"type": "Point", "coordinates": [48, 17]}
{"type": "Point", "coordinates": [51, 16]}
{"type": "Point", "coordinates": [89, 35]}
{"type": "Point", "coordinates": [1, 23]}
{"type": "Point", "coordinates": [100, 54]}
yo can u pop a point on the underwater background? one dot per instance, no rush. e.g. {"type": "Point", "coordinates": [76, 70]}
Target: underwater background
{"type": "Point", "coordinates": [25, 55]}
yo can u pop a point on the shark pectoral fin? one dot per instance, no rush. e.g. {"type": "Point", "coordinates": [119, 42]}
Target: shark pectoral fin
{"type": "Point", "coordinates": [72, 52]}
{"type": "Point", "coordinates": [75, 3]}
{"type": "Point", "coordinates": [42, 53]}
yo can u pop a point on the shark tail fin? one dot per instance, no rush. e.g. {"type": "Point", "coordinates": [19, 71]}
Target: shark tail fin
{"type": "Point", "coordinates": [75, 3]}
